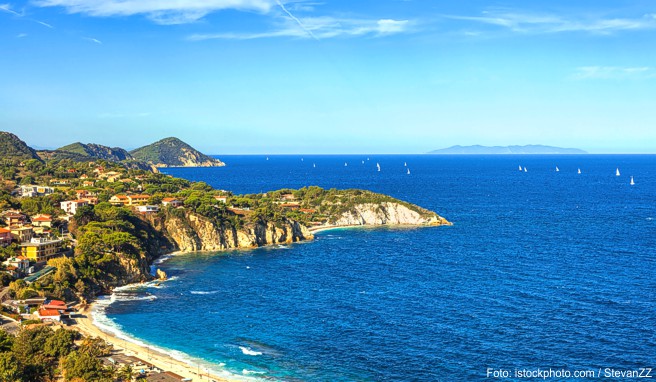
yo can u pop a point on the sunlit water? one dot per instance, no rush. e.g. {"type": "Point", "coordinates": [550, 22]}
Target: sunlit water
{"type": "Point", "coordinates": [541, 269]}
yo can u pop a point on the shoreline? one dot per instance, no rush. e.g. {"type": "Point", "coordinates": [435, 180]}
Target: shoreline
{"type": "Point", "coordinates": [158, 357]}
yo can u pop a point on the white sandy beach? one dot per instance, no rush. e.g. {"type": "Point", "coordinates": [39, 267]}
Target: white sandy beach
{"type": "Point", "coordinates": [84, 324]}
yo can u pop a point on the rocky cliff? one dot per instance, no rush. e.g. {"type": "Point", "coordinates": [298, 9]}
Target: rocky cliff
{"type": "Point", "coordinates": [386, 213]}
{"type": "Point", "coordinates": [172, 152]}
{"type": "Point", "coordinates": [193, 232]}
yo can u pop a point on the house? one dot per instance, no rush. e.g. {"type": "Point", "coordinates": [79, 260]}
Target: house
{"type": "Point", "coordinates": [40, 250]}
{"type": "Point", "coordinates": [71, 206]}
{"type": "Point", "coordinates": [55, 305]}
{"type": "Point", "coordinates": [48, 315]}
{"type": "Point", "coordinates": [30, 191]}
{"type": "Point", "coordinates": [138, 200]}
{"type": "Point", "coordinates": [5, 237]}
{"type": "Point", "coordinates": [14, 218]}
{"type": "Point", "coordinates": [22, 234]}
{"type": "Point", "coordinates": [119, 200]}
{"type": "Point", "coordinates": [19, 262]}
{"type": "Point", "coordinates": [59, 182]}
{"type": "Point", "coordinates": [92, 200]}
{"type": "Point", "coordinates": [173, 202]}
{"type": "Point", "coordinates": [84, 176]}
{"type": "Point", "coordinates": [287, 197]}
{"type": "Point", "coordinates": [88, 183]}
{"type": "Point", "coordinates": [82, 193]}
{"type": "Point", "coordinates": [222, 199]}
{"type": "Point", "coordinates": [42, 220]}
{"type": "Point", "coordinates": [147, 209]}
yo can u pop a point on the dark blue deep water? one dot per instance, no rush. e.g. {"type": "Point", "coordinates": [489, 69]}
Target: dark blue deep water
{"type": "Point", "coordinates": [541, 269]}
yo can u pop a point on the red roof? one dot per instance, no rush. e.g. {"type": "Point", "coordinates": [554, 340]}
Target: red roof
{"type": "Point", "coordinates": [57, 302]}
{"type": "Point", "coordinates": [41, 219]}
{"type": "Point", "coordinates": [49, 313]}
{"type": "Point", "coordinates": [4, 230]}
{"type": "Point", "coordinates": [169, 199]}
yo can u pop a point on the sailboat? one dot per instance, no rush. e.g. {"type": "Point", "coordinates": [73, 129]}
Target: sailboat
{"type": "Point", "coordinates": [267, 158]}
{"type": "Point", "coordinates": [408, 171]}
{"type": "Point", "coordinates": [362, 162]}
{"type": "Point", "coordinates": [525, 170]}
{"type": "Point", "coordinates": [632, 182]}
{"type": "Point", "coordinates": [301, 159]}
{"type": "Point", "coordinates": [345, 164]}
{"type": "Point", "coordinates": [405, 164]}
{"type": "Point", "coordinates": [579, 171]}
{"type": "Point", "coordinates": [520, 167]}
{"type": "Point", "coordinates": [557, 169]}
{"type": "Point", "coordinates": [314, 165]}
{"type": "Point", "coordinates": [378, 165]}
{"type": "Point", "coordinates": [617, 172]}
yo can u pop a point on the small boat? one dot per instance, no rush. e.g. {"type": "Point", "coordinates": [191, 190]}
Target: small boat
{"type": "Point", "coordinates": [362, 162]}
{"type": "Point", "coordinates": [579, 171]}
{"type": "Point", "coordinates": [557, 169]}
{"type": "Point", "coordinates": [314, 165]}
{"type": "Point", "coordinates": [632, 182]}
{"type": "Point", "coordinates": [617, 172]}
{"type": "Point", "coordinates": [525, 170]}
{"type": "Point", "coordinates": [408, 171]}
{"type": "Point", "coordinates": [301, 159]}
{"type": "Point", "coordinates": [520, 167]}
{"type": "Point", "coordinates": [267, 158]}
{"type": "Point", "coordinates": [405, 164]}
{"type": "Point", "coordinates": [345, 164]}
{"type": "Point", "coordinates": [378, 165]}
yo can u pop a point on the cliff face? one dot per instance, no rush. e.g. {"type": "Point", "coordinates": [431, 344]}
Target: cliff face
{"type": "Point", "coordinates": [193, 232]}
{"type": "Point", "coordinates": [387, 214]}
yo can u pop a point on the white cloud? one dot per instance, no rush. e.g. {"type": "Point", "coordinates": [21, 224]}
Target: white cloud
{"type": "Point", "coordinates": [614, 72]}
{"type": "Point", "coordinates": [7, 8]}
{"type": "Point", "coordinates": [93, 40]}
{"type": "Point", "coordinates": [160, 11]}
{"type": "Point", "coordinates": [320, 28]}
{"type": "Point", "coordinates": [549, 23]}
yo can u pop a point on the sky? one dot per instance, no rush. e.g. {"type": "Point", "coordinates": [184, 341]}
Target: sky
{"type": "Point", "coordinates": [334, 76]}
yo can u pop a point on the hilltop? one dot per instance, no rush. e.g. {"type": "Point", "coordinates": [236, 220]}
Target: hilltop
{"type": "Point", "coordinates": [92, 150]}
{"type": "Point", "coordinates": [500, 150]}
{"type": "Point", "coordinates": [172, 152]}
{"type": "Point", "coordinates": [13, 148]}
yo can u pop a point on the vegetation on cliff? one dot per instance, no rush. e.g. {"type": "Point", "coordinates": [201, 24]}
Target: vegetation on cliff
{"type": "Point", "coordinates": [92, 150]}
{"type": "Point", "coordinates": [14, 149]}
{"type": "Point", "coordinates": [172, 152]}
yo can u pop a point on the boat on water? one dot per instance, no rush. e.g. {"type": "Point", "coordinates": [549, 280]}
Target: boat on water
{"type": "Point", "coordinates": [345, 164]}
{"type": "Point", "coordinates": [408, 171]}
{"type": "Point", "coordinates": [314, 165]}
{"type": "Point", "coordinates": [378, 165]}
{"type": "Point", "coordinates": [557, 169]}
{"type": "Point", "coordinates": [520, 167]}
{"type": "Point", "coordinates": [617, 172]}
{"type": "Point", "coordinates": [405, 164]}
{"type": "Point", "coordinates": [579, 171]}
{"type": "Point", "coordinates": [525, 170]}
{"type": "Point", "coordinates": [632, 182]}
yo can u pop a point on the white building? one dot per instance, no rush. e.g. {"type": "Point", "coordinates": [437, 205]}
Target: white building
{"type": "Point", "coordinates": [71, 206]}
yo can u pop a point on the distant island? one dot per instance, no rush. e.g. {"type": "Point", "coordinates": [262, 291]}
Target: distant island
{"type": "Point", "coordinates": [501, 150]}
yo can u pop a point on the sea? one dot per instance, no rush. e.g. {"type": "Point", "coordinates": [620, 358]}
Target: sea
{"type": "Point", "coordinates": [542, 271]}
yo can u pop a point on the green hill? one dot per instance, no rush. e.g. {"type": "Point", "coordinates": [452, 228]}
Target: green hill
{"type": "Point", "coordinates": [13, 148]}
{"type": "Point", "coordinates": [172, 152]}
{"type": "Point", "coordinates": [114, 154]}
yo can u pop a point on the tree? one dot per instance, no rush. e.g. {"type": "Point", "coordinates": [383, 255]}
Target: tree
{"type": "Point", "coordinates": [60, 343]}
{"type": "Point", "coordinates": [6, 341]}
{"type": "Point", "coordinates": [80, 365]}
{"type": "Point", "coordinates": [11, 369]}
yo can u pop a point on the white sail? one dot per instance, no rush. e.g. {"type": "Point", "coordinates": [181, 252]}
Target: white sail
{"type": "Point", "coordinates": [405, 164]}
{"type": "Point", "coordinates": [345, 164]}
{"type": "Point", "coordinates": [408, 171]}
{"type": "Point", "coordinates": [617, 172]}
{"type": "Point", "coordinates": [525, 170]}
{"type": "Point", "coordinates": [579, 171]}
{"type": "Point", "coordinates": [314, 165]}
{"type": "Point", "coordinates": [378, 165]}
{"type": "Point", "coordinates": [520, 167]}
{"type": "Point", "coordinates": [557, 169]}
{"type": "Point", "coordinates": [632, 182]}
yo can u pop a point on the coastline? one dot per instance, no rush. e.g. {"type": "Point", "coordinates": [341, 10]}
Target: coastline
{"type": "Point", "coordinates": [190, 368]}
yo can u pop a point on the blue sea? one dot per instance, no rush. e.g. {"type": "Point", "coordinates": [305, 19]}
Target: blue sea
{"type": "Point", "coordinates": [541, 269]}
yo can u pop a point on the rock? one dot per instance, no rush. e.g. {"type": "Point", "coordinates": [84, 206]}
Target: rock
{"type": "Point", "coordinates": [161, 275]}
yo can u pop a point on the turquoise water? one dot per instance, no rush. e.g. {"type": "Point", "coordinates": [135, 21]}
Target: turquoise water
{"type": "Point", "coordinates": [541, 269]}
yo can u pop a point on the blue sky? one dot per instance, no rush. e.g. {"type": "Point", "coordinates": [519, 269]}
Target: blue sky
{"type": "Point", "coordinates": [384, 76]}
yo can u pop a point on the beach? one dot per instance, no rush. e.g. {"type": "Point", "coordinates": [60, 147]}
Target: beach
{"type": "Point", "coordinates": [84, 324]}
